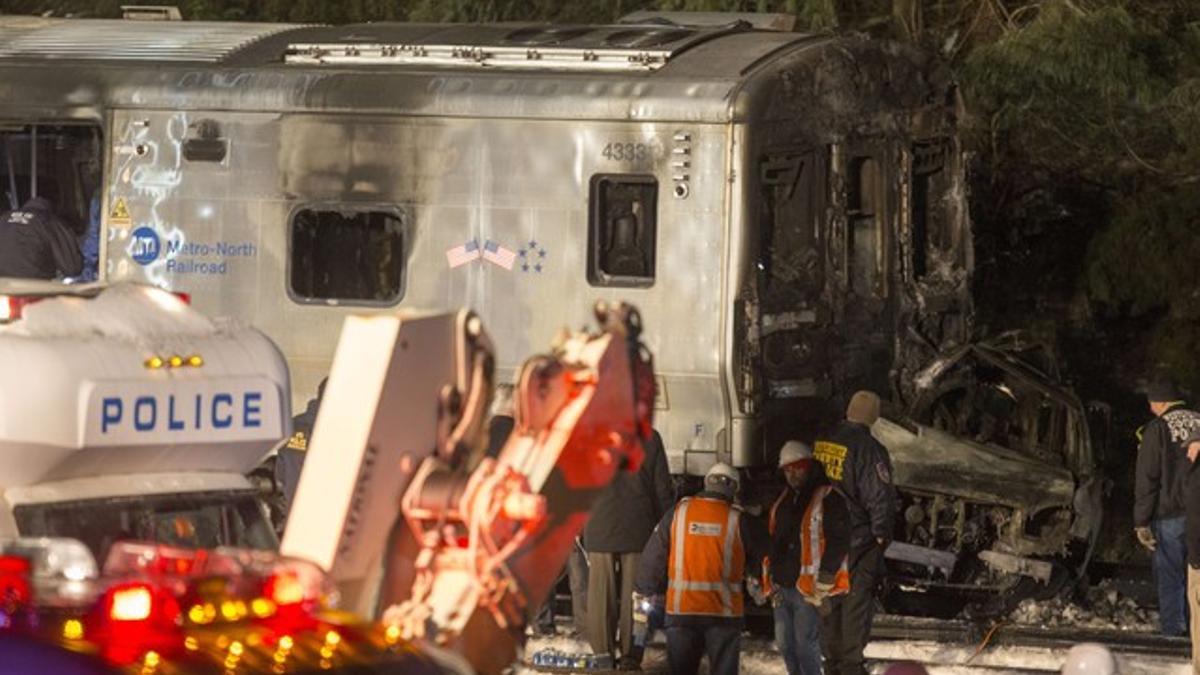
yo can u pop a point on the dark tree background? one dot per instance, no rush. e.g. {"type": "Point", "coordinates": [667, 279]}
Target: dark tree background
{"type": "Point", "coordinates": [1083, 123]}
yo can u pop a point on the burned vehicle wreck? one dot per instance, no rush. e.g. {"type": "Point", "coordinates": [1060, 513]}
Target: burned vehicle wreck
{"type": "Point", "coordinates": [994, 464]}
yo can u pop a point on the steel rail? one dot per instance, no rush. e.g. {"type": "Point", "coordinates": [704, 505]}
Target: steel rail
{"type": "Point", "coordinates": [891, 627]}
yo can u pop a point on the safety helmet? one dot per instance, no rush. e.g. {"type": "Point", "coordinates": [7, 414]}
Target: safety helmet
{"type": "Point", "coordinates": [794, 451]}
{"type": "Point", "coordinates": [1089, 658]}
{"type": "Point", "coordinates": [721, 472]}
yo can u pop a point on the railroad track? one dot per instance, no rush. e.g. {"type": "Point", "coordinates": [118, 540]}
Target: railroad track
{"type": "Point", "coordinates": [984, 635]}
{"type": "Point", "coordinates": [958, 647]}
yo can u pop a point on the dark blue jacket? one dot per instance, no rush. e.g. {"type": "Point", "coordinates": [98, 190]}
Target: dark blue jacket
{"type": "Point", "coordinates": [36, 244]}
{"type": "Point", "coordinates": [860, 466]}
{"type": "Point", "coordinates": [1162, 465]}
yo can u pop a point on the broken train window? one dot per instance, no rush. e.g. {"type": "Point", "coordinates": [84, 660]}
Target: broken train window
{"type": "Point", "coordinates": [61, 163]}
{"type": "Point", "coordinates": [865, 226]}
{"type": "Point", "coordinates": [932, 218]}
{"type": "Point", "coordinates": [790, 260]}
{"type": "Point", "coordinates": [346, 253]}
{"type": "Point", "coordinates": [622, 230]}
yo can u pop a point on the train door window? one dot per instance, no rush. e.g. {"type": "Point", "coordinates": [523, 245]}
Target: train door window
{"type": "Point", "coordinates": [931, 221]}
{"type": "Point", "coordinates": [791, 255]}
{"type": "Point", "coordinates": [347, 254]}
{"type": "Point", "coordinates": [62, 164]}
{"type": "Point", "coordinates": [622, 230]}
{"type": "Point", "coordinates": [865, 219]}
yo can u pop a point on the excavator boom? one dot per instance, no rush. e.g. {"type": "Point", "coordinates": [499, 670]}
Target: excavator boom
{"type": "Point", "coordinates": [398, 502]}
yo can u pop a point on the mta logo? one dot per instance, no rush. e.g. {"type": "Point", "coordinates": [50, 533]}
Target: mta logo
{"type": "Point", "coordinates": [146, 246]}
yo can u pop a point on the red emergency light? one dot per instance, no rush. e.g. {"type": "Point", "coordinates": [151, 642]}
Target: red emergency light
{"type": "Point", "coordinates": [14, 581]}
{"type": "Point", "coordinates": [12, 307]}
{"type": "Point", "coordinates": [133, 619]}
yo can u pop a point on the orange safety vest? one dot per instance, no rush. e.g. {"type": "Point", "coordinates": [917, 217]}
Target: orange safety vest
{"type": "Point", "coordinates": [812, 547]}
{"type": "Point", "coordinates": [707, 560]}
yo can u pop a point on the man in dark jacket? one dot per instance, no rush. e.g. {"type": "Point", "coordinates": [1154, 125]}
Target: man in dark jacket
{"type": "Point", "coordinates": [289, 461]}
{"type": "Point", "coordinates": [621, 522]}
{"type": "Point", "coordinates": [1192, 507]}
{"type": "Point", "coordinates": [1158, 507]}
{"type": "Point", "coordinates": [697, 557]}
{"type": "Point", "coordinates": [797, 582]}
{"type": "Point", "coordinates": [36, 244]}
{"type": "Point", "coordinates": [861, 468]}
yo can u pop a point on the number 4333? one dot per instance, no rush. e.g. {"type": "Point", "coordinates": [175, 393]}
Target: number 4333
{"type": "Point", "coordinates": [628, 152]}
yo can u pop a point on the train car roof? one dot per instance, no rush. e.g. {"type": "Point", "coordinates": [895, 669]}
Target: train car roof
{"type": "Point", "coordinates": [651, 72]}
{"type": "Point", "coordinates": [620, 48]}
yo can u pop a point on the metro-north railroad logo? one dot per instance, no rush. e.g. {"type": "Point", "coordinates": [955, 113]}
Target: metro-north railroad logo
{"type": "Point", "coordinates": [145, 247]}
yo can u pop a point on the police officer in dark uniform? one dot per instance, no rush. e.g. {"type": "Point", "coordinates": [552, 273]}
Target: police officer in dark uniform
{"type": "Point", "coordinates": [1159, 495]}
{"type": "Point", "coordinates": [36, 244]}
{"type": "Point", "coordinates": [289, 461]}
{"type": "Point", "coordinates": [861, 467]}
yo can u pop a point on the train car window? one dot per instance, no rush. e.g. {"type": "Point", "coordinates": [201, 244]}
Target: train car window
{"type": "Point", "coordinates": [58, 163]}
{"type": "Point", "coordinates": [931, 220]}
{"type": "Point", "coordinates": [622, 230]}
{"type": "Point", "coordinates": [346, 254]}
{"type": "Point", "coordinates": [864, 211]}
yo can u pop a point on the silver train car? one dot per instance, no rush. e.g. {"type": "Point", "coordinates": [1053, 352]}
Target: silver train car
{"type": "Point", "coordinates": [787, 210]}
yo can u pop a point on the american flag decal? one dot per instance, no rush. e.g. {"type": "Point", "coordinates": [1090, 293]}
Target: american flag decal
{"type": "Point", "coordinates": [461, 255]}
{"type": "Point", "coordinates": [498, 255]}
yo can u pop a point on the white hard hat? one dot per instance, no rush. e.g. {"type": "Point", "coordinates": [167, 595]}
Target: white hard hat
{"type": "Point", "coordinates": [1089, 658]}
{"type": "Point", "coordinates": [722, 470]}
{"type": "Point", "coordinates": [794, 451]}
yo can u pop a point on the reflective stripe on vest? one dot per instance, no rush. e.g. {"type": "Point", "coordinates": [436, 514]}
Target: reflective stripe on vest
{"type": "Point", "coordinates": [812, 548]}
{"type": "Point", "coordinates": [706, 561]}
{"type": "Point", "coordinates": [767, 587]}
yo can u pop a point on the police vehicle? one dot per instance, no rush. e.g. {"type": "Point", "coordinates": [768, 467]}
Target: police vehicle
{"type": "Point", "coordinates": [127, 415]}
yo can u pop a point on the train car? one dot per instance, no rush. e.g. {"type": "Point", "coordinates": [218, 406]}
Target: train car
{"type": "Point", "coordinates": [786, 209]}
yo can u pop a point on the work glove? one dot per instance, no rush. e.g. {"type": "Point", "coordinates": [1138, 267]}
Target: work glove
{"type": "Point", "coordinates": [1146, 537]}
{"type": "Point", "coordinates": [755, 589]}
{"type": "Point", "coordinates": [820, 593]}
{"type": "Point", "coordinates": [641, 618]}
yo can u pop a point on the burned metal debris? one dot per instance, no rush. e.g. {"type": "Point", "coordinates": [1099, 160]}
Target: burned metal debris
{"type": "Point", "coordinates": [996, 470]}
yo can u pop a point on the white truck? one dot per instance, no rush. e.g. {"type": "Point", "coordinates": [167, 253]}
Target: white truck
{"type": "Point", "coordinates": [125, 414]}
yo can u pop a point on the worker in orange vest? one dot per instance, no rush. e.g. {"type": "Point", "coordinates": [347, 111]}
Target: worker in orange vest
{"type": "Point", "coordinates": [809, 530]}
{"type": "Point", "coordinates": [697, 557]}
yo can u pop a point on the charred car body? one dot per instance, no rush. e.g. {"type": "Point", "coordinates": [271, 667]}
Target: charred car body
{"type": "Point", "coordinates": [994, 461]}
{"type": "Point", "coordinates": [787, 210]}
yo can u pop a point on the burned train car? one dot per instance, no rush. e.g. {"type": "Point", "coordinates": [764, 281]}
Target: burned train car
{"type": "Point", "coordinates": [787, 210]}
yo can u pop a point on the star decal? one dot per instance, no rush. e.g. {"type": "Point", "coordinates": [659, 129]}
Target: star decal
{"type": "Point", "coordinates": [533, 257]}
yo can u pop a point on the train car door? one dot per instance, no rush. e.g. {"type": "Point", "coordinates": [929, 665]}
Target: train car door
{"type": "Point", "coordinates": [866, 326]}
{"type": "Point", "coordinates": [791, 342]}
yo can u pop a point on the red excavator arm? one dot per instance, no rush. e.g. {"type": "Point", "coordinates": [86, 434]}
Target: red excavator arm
{"type": "Point", "coordinates": [481, 540]}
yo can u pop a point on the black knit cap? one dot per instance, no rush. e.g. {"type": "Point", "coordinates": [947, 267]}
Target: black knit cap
{"type": "Point", "coordinates": [1161, 391]}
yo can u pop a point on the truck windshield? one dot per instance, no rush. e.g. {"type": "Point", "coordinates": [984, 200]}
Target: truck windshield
{"type": "Point", "coordinates": [194, 520]}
